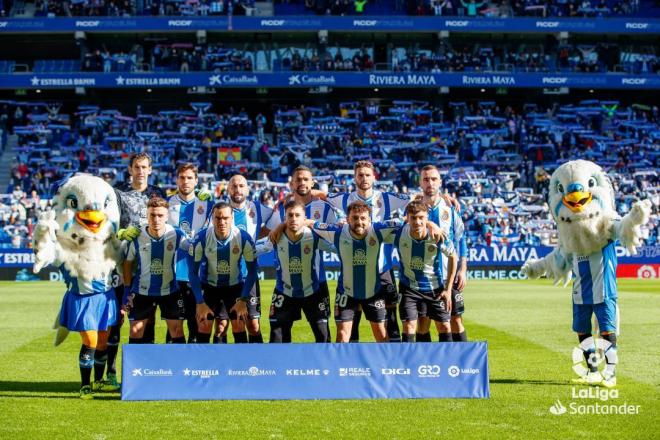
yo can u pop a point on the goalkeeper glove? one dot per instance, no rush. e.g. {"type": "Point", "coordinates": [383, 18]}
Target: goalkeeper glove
{"type": "Point", "coordinates": [129, 233]}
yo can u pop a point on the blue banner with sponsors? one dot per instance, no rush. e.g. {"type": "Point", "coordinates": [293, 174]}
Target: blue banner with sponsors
{"type": "Point", "coordinates": [125, 80]}
{"type": "Point", "coordinates": [509, 256]}
{"type": "Point", "coordinates": [305, 371]}
{"type": "Point", "coordinates": [632, 25]}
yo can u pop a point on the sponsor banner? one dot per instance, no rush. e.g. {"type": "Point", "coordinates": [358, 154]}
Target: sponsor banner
{"type": "Point", "coordinates": [313, 24]}
{"type": "Point", "coordinates": [640, 271]}
{"type": "Point", "coordinates": [117, 80]}
{"type": "Point", "coordinates": [304, 371]}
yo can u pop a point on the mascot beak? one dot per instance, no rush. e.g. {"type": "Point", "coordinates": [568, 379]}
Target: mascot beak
{"type": "Point", "coordinates": [577, 200]}
{"type": "Point", "coordinates": [91, 220]}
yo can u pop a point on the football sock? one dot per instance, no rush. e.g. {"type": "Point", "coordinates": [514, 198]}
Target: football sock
{"type": "Point", "coordinates": [256, 339]}
{"type": "Point", "coordinates": [240, 338]}
{"type": "Point", "coordinates": [136, 340]}
{"type": "Point", "coordinates": [355, 330]}
{"type": "Point", "coordinates": [445, 337]}
{"type": "Point", "coordinates": [86, 362]}
{"type": "Point", "coordinates": [320, 330]}
{"type": "Point", "coordinates": [113, 348]}
{"type": "Point", "coordinates": [423, 337]}
{"type": "Point", "coordinates": [588, 352]}
{"type": "Point", "coordinates": [408, 337]}
{"type": "Point", "coordinates": [204, 338]}
{"type": "Point", "coordinates": [611, 337]}
{"type": "Point", "coordinates": [179, 340]}
{"type": "Point", "coordinates": [149, 332]}
{"type": "Point", "coordinates": [100, 358]}
{"type": "Point", "coordinates": [459, 337]}
{"type": "Point", "coordinates": [393, 325]}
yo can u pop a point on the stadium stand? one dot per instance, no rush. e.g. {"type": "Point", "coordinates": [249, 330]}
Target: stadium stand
{"type": "Point", "coordinates": [496, 159]}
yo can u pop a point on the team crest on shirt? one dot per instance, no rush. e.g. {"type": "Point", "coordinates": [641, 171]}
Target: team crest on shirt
{"type": "Point", "coordinates": [252, 214]}
{"type": "Point", "coordinates": [379, 203]}
{"type": "Point", "coordinates": [200, 210]}
{"type": "Point", "coordinates": [295, 265]}
{"type": "Point", "coordinates": [431, 248]}
{"type": "Point", "coordinates": [417, 263]}
{"type": "Point", "coordinates": [223, 267]}
{"type": "Point", "coordinates": [170, 246]}
{"type": "Point", "coordinates": [156, 267]}
{"type": "Point", "coordinates": [445, 216]}
{"type": "Point", "coordinates": [307, 249]}
{"type": "Point", "coordinates": [235, 250]}
{"type": "Point", "coordinates": [359, 258]}
{"type": "Point", "coordinates": [372, 241]}
{"type": "Point", "coordinates": [317, 215]}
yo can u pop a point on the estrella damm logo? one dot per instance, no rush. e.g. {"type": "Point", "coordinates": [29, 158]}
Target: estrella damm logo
{"type": "Point", "coordinates": [359, 258]}
{"type": "Point", "coordinates": [417, 263]}
{"type": "Point", "coordinates": [223, 267]}
{"type": "Point", "coordinates": [295, 265]}
{"type": "Point", "coordinates": [156, 266]}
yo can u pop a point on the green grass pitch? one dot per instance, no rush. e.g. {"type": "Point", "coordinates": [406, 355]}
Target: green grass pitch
{"type": "Point", "coordinates": [526, 324]}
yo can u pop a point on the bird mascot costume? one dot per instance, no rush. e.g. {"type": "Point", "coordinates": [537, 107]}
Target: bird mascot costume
{"type": "Point", "coordinates": [79, 237]}
{"type": "Point", "coordinates": [581, 200]}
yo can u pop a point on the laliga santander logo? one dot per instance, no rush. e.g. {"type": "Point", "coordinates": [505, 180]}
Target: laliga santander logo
{"type": "Point", "coordinates": [604, 352]}
{"type": "Point", "coordinates": [646, 272]}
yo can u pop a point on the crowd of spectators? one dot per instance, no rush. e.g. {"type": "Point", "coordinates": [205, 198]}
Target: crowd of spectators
{"type": "Point", "coordinates": [469, 8]}
{"type": "Point", "coordinates": [495, 159]}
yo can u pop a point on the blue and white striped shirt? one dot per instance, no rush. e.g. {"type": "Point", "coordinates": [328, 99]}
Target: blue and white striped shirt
{"type": "Point", "coordinates": [448, 219]}
{"type": "Point", "coordinates": [358, 258]}
{"type": "Point", "coordinates": [421, 261]}
{"type": "Point", "coordinates": [316, 210]}
{"type": "Point", "coordinates": [251, 218]}
{"type": "Point", "coordinates": [220, 260]}
{"type": "Point", "coordinates": [383, 206]}
{"type": "Point", "coordinates": [595, 276]}
{"type": "Point", "coordinates": [190, 217]}
{"type": "Point", "coordinates": [296, 262]}
{"type": "Point", "coordinates": [156, 258]}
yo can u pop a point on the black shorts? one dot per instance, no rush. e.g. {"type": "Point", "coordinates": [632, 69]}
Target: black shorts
{"type": "Point", "coordinates": [284, 308]}
{"type": "Point", "coordinates": [434, 307]}
{"type": "Point", "coordinates": [221, 299]}
{"type": "Point", "coordinates": [188, 297]}
{"type": "Point", "coordinates": [457, 303]}
{"type": "Point", "coordinates": [254, 303]}
{"type": "Point", "coordinates": [144, 307]}
{"type": "Point", "coordinates": [373, 308]}
{"type": "Point", "coordinates": [388, 289]}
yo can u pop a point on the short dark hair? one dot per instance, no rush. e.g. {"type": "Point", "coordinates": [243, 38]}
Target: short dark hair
{"type": "Point", "coordinates": [415, 206]}
{"type": "Point", "coordinates": [301, 168]}
{"type": "Point", "coordinates": [358, 206]}
{"type": "Point", "coordinates": [157, 202]}
{"type": "Point", "coordinates": [185, 167]}
{"type": "Point", "coordinates": [363, 164]}
{"type": "Point", "coordinates": [139, 156]}
{"type": "Point", "coordinates": [222, 205]}
{"type": "Point", "coordinates": [430, 168]}
{"type": "Point", "coordinates": [293, 204]}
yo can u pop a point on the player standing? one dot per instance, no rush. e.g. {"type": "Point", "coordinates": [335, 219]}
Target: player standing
{"type": "Point", "coordinates": [155, 252]}
{"type": "Point", "coordinates": [222, 275]}
{"type": "Point", "coordinates": [297, 287]}
{"type": "Point", "coordinates": [421, 278]}
{"type": "Point", "coordinates": [446, 216]}
{"type": "Point", "coordinates": [190, 214]}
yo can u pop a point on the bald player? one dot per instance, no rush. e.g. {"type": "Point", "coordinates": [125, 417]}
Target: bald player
{"type": "Point", "coordinates": [249, 216]}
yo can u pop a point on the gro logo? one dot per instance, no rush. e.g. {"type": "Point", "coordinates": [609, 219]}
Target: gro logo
{"type": "Point", "coordinates": [428, 371]}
